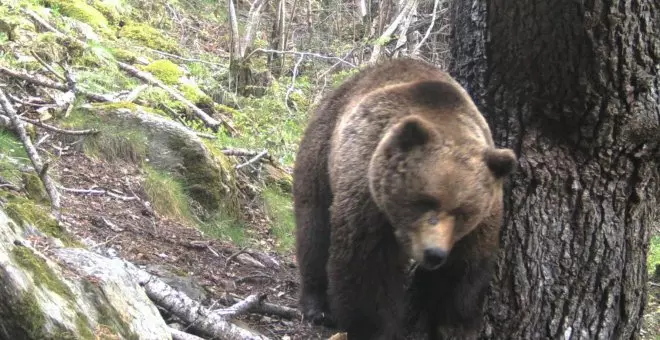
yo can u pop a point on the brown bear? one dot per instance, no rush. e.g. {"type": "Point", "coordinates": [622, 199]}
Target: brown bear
{"type": "Point", "coordinates": [397, 164]}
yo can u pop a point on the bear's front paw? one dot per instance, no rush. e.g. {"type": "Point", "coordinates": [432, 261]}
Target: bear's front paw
{"type": "Point", "coordinates": [316, 313]}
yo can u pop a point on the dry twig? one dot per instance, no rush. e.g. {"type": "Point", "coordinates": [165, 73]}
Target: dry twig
{"type": "Point", "coordinates": [58, 130]}
{"type": "Point", "coordinates": [265, 308]}
{"type": "Point", "coordinates": [98, 192]}
{"type": "Point", "coordinates": [48, 67]}
{"type": "Point", "coordinates": [253, 159]}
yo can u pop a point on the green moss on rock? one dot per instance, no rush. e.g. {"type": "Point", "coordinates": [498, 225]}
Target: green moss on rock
{"type": "Point", "coordinates": [115, 106]}
{"type": "Point", "coordinates": [210, 186]}
{"type": "Point", "coordinates": [108, 10]}
{"type": "Point", "coordinates": [22, 316]}
{"type": "Point", "coordinates": [42, 274]}
{"type": "Point", "coordinates": [25, 212]}
{"type": "Point", "coordinates": [148, 36]}
{"type": "Point", "coordinates": [115, 141]}
{"type": "Point", "coordinates": [81, 11]}
{"type": "Point", "coordinates": [35, 188]}
{"type": "Point", "coordinates": [193, 93]}
{"type": "Point", "coordinates": [83, 326]}
{"type": "Point", "coordinates": [155, 97]}
{"type": "Point", "coordinates": [124, 55]}
{"type": "Point", "coordinates": [165, 70]}
{"type": "Point", "coordinates": [107, 316]}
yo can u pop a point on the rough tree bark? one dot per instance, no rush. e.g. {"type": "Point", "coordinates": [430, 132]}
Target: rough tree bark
{"type": "Point", "coordinates": [573, 87]}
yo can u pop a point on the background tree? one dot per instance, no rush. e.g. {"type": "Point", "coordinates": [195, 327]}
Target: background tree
{"type": "Point", "coordinates": [573, 88]}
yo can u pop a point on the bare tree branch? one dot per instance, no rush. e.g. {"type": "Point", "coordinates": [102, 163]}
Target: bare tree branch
{"type": "Point", "coordinates": [41, 169]}
{"type": "Point", "coordinates": [235, 36]}
{"type": "Point", "coordinates": [98, 192]}
{"type": "Point", "coordinates": [242, 306]}
{"type": "Point", "coordinates": [58, 130]}
{"type": "Point", "coordinates": [293, 83]}
{"type": "Point", "coordinates": [253, 22]}
{"type": "Point", "coordinates": [265, 308]}
{"type": "Point", "coordinates": [408, 7]}
{"type": "Point", "coordinates": [428, 30]}
{"type": "Point", "coordinates": [310, 54]}
{"type": "Point", "coordinates": [51, 84]}
{"type": "Point", "coordinates": [252, 160]}
{"type": "Point", "coordinates": [48, 67]}
{"type": "Point", "coordinates": [181, 335]}
{"type": "Point", "coordinates": [191, 60]}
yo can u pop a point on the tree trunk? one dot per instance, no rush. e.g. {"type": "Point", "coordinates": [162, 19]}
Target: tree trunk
{"type": "Point", "coordinates": [573, 87]}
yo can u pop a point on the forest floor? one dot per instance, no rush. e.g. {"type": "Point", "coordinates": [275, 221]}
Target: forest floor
{"type": "Point", "coordinates": [159, 243]}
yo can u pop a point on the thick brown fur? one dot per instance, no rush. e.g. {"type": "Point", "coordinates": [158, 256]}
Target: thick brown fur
{"type": "Point", "coordinates": [395, 162]}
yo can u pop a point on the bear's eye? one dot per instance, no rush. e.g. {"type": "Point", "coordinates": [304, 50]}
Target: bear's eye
{"type": "Point", "coordinates": [428, 203]}
{"type": "Point", "coordinates": [433, 220]}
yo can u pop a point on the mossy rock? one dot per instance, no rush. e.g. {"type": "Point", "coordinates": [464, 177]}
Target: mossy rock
{"type": "Point", "coordinates": [193, 93]}
{"type": "Point", "coordinates": [109, 9]}
{"type": "Point", "coordinates": [157, 97]}
{"type": "Point", "coordinates": [207, 174]}
{"type": "Point", "coordinates": [165, 70]}
{"type": "Point", "coordinates": [148, 36]}
{"type": "Point", "coordinates": [42, 273]}
{"type": "Point", "coordinates": [35, 188]}
{"type": "Point", "coordinates": [124, 55]}
{"type": "Point", "coordinates": [72, 296]}
{"type": "Point", "coordinates": [21, 314]}
{"type": "Point", "coordinates": [27, 213]}
{"type": "Point", "coordinates": [81, 11]}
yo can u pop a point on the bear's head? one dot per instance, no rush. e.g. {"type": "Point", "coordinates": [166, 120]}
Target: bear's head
{"type": "Point", "coordinates": [434, 188]}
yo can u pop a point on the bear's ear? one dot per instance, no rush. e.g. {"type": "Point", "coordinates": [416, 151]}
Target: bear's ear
{"type": "Point", "coordinates": [500, 161]}
{"type": "Point", "coordinates": [410, 132]}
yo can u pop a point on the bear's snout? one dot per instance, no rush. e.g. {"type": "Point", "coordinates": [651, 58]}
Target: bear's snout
{"type": "Point", "coordinates": [434, 257]}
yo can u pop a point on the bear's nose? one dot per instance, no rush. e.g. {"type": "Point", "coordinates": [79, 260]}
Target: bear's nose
{"type": "Point", "coordinates": [434, 257]}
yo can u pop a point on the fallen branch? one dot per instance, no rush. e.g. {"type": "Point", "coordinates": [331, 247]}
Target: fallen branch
{"type": "Point", "coordinates": [41, 21]}
{"type": "Point", "coordinates": [149, 78]}
{"type": "Point", "coordinates": [4, 121]}
{"type": "Point", "coordinates": [52, 84]}
{"type": "Point", "coordinates": [242, 306]}
{"type": "Point", "coordinates": [214, 323]}
{"type": "Point", "coordinates": [181, 335]}
{"type": "Point", "coordinates": [48, 67]}
{"type": "Point", "coordinates": [253, 159]}
{"type": "Point", "coordinates": [98, 192]}
{"type": "Point", "coordinates": [58, 130]}
{"type": "Point", "coordinates": [234, 255]}
{"type": "Point", "coordinates": [6, 184]}
{"type": "Point", "coordinates": [102, 222]}
{"type": "Point", "coordinates": [135, 93]}
{"type": "Point", "coordinates": [176, 116]}
{"type": "Point", "coordinates": [40, 168]}
{"type": "Point", "coordinates": [248, 153]}
{"type": "Point", "coordinates": [265, 308]}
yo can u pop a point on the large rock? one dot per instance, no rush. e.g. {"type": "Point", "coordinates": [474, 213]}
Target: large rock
{"type": "Point", "coordinates": [43, 298]}
{"type": "Point", "coordinates": [208, 176]}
